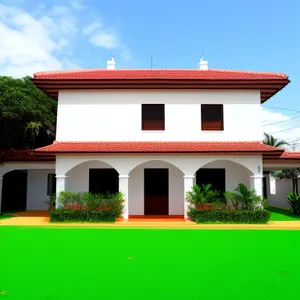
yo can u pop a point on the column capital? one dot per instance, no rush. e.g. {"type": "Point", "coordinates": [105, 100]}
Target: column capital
{"type": "Point", "coordinates": [61, 176]}
{"type": "Point", "coordinates": [188, 176]}
{"type": "Point", "coordinates": [257, 176]}
{"type": "Point", "coordinates": [123, 176]}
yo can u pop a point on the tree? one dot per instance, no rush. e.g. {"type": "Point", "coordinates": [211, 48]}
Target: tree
{"type": "Point", "coordinates": [272, 141]}
{"type": "Point", "coordinates": [289, 174]}
{"type": "Point", "coordinates": [27, 115]}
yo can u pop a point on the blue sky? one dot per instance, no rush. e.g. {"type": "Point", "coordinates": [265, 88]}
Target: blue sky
{"type": "Point", "coordinates": [234, 34]}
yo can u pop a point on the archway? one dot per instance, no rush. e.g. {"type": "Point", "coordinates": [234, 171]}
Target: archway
{"type": "Point", "coordinates": [14, 191]}
{"type": "Point", "coordinates": [94, 176]}
{"type": "Point", "coordinates": [223, 174]}
{"type": "Point", "coordinates": [156, 187]}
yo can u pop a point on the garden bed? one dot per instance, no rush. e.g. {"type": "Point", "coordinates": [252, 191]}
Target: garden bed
{"type": "Point", "coordinates": [229, 217]}
{"type": "Point", "coordinates": [62, 215]}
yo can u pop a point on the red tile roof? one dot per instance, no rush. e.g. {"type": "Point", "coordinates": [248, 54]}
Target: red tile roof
{"type": "Point", "coordinates": [54, 81]}
{"type": "Point", "coordinates": [191, 74]}
{"type": "Point", "coordinates": [288, 155]}
{"type": "Point", "coordinates": [25, 155]}
{"type": "Point", "coordinates": [158, 147]}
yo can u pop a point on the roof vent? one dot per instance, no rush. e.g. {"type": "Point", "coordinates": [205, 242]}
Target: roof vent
{"type": "Point", "coordinates": [111, 64]}
{"type": "Point", "coordinates": [203, 64]}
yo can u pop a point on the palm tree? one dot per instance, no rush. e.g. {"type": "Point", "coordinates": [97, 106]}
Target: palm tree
{"type": "Point", "coordinates": [272, 141]}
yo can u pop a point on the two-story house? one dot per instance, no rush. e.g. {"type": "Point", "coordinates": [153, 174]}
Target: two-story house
{"type": "Point", "coordinates": [152, 134]}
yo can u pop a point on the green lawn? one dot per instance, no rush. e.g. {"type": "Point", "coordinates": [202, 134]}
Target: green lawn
{"type": "Point", "coordinates": [278, 214]}
{"type": "Point", "coordinates": [141, 264]}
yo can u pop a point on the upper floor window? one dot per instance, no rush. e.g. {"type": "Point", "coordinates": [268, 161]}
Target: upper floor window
{"type": "Point", "coordinates": [212, 117]}
{"type": "Point", "coordinates": [153, 117]}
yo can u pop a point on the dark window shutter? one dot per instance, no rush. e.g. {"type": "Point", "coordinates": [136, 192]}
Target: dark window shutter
{"type": "Point", "coordinates": [153, 117]}
{"type": "Point", "coordinates": [212, 117]}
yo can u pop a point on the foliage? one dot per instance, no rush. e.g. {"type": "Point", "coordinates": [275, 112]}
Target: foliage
{"type": "Point", "coordinates": [27, 115]}
{"type": "Point", "coordinates": [244, 199]}
{"type": "Point", "coordinates": [62, 215]}
{"type": "Point", "coordinates": [292, 174]}
{"type": "Point", "coordinates": [51, 201]}
{"type": "Point", "coordinates": [294, 202]}
{"type": "Point", "coordinates": [90, 201]}
{"type": "Point", "coordinates": [201, 195]}
{"type": "Point", "coordinates": [272, 141]}
{"type": "Point", "coordinates": [226, 216]}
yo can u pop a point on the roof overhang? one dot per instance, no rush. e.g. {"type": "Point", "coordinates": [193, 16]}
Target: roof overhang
{"type": "Point", "coordinates": [267, 88]}
{"type": "Point", "coordinates": [287, 160]}
{"type": "Point", "coordinates": [135, 147]}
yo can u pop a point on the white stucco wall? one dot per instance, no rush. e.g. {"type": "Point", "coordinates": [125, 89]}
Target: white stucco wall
{"type": "Point", "coordinates": [234, 173]}
{"type": "Point", "coordinates": [283, 186]}
{"type": "Point", "coordinates": [78, 177]}
{"type": "Point", "coordinates": [116, 115]}
{"type": "Point", "coordinates": [136, 188]}
{"type": "Point", "coordinates": [37, 189]}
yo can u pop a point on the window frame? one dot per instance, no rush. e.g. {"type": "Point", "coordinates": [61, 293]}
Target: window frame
{"type": "Point", "coordinates": [205, 127]}
{"type": "Point", "coordinates": [157, 127]}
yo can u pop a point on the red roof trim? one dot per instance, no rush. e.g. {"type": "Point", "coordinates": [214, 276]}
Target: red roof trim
{"type": "Point", "coordinates": [25, 155]}
{"type": "Point", "coordinates": [159, 147]}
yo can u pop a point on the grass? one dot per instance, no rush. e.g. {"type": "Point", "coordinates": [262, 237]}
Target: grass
{"type": "Point", "coordinates": [139, 264]}
{"type": "Point", "coordinates": [279, 214]}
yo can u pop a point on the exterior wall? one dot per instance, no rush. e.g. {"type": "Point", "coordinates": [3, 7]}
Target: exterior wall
{"type": "Point", "coordinates": [116, 115]}
{"type": "Point", "coordinates": [124, 164]}
{"type": "Point", "coordinates": [78, 177]}
{"type": "Point", "coordinates": [234, 173]}
{"type": "Point", "coordinates": [37, 189]}
{"type": "Point", "coordinates": [36, 181]}
{"type": "Point", "coordinates": [136, 188]}
{"type": "Point", "coordinates": [76, 168]}
{"type": "Point", "coordinates": [283, 186]}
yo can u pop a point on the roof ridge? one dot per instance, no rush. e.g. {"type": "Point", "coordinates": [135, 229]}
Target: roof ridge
{"type": "Point", "coordinates": [53, 72]}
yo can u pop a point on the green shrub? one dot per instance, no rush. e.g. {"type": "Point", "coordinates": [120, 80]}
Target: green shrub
{"type": "Point", "coordinates": [90, 201]}
{"type": "Point", "coordinates": [202, 194]}
{"type": "Point", "coordinates": [62, 215]}
{"type": "Point", "coordinates": [260, 216]}
{"type": "Point", "coordinates": [244, 199]}
{"type": "Point", "coordinates": [294, 202]}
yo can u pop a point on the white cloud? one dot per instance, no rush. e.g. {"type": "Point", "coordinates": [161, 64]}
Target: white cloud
{"type": "Point", "coordinates": [281, 126]}
{"type": "Point", "coordinates": [92, 27]}
{"type": "Point", "coordinates": [45, 38]}
{"type": "Point", "coordinates": [105, 40]}
{"type": "Point", "coordinates": [60, 10]}
{"type": "Point", "coordinates": [76, 5]}
{"type": "Point", "coordinates": [104, 37]}
{"type": "Point", "coordinates": [29, 44]}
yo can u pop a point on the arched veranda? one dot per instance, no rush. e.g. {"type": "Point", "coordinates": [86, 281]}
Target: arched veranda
{"type": "Point", "coordinates": [94, 176]}
{"type": "Point", "coordinates": [224, 175]}
{"type": "Point", "coordinates": [156, 187]}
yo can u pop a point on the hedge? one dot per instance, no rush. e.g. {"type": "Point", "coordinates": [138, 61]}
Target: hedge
{"type": "Point", "coordinates": [62, 215]}
{"type": "Point", "coordinates": [229, 216]}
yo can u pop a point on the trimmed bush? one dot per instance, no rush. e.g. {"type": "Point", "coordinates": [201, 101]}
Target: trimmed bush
{"type": "Point", "coordinates": [62, 215]}
{"type": "Point", "coordinates": [260, 216]}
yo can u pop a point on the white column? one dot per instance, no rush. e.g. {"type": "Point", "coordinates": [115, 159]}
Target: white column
{"type": "Point", "coordinates": [188, 183]}
{"type": "Point", "coordinates": [1, 179]}
{"type": "Point", "coordinates": [60, 186]}
{"type": "Point", "coordinates": [124, 188]}
{"type": "Point", "coordinates": [256, 184]}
